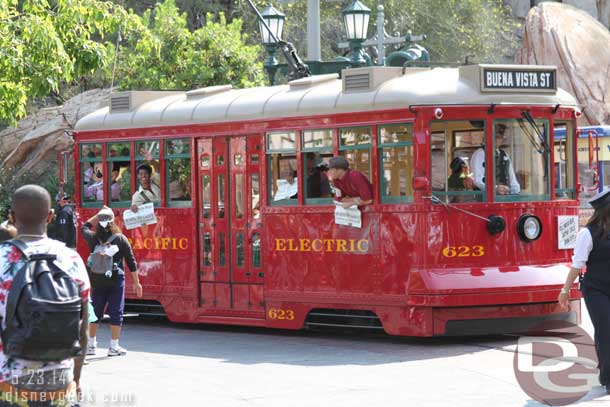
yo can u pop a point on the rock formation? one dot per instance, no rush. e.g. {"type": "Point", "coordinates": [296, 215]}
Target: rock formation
{"type": "Point", "coordinates": [32, 146]}
{"type": "Point", "coordinates": [599, 9]}
{"type": "Point", "coordinates": [561, 35]}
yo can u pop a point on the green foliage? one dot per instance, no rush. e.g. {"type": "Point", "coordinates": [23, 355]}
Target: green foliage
{"type": "Point", "coordinates": [46, 43]}
{"type": "Point", "coordinates": [454, 28]}
{"type": "Point", "coordinates": [196, 10]}
{"type": "Point", "coordinates": [169, 56]}
{"type": "Point", "coordinates": [9, 182]}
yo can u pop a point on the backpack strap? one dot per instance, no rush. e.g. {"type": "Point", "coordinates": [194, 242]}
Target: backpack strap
{"type": "Point", "coordinates": [19, 244]}
{"type": "Point", "coordinates": [112, 238]}
{"type": "Point", "coordinates": [22, 277]}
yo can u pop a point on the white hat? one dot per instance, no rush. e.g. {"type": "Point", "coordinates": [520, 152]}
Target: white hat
{"type": "Point", "coordinates": [105, 216]}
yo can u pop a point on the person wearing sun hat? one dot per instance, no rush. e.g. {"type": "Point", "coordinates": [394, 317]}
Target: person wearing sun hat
{"type": "Point", "coordinates": [593, 251]}
{"type": "Point", "coordinates": [110, 293]}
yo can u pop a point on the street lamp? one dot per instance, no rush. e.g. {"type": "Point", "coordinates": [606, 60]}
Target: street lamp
{"type": "Point", "coordinates": [356, 18]}
{"type": "Point", "coordinates": [270, 34]}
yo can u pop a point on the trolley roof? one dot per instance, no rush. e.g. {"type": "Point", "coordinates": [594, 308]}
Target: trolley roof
{"type": "Point", "coordinates": [361, 89]}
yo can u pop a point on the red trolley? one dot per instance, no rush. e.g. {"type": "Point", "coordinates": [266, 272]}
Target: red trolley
{"type": "Point", "coordinates": [240, 237]}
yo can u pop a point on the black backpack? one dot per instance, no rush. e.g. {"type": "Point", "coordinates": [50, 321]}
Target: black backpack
{"type": "Point", "coordinates": [43, 311]}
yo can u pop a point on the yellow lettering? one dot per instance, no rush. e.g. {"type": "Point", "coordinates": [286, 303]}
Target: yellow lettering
{"type": "Point", "coordinates": [185, 245]}
{"type": "Point", "coordinates": [363, 246]}
{"type": "Point", "coordinates": [137, 244]}
{"type": "Point", "coordinates": [280, 245]}
{"type": "Point", "coordinates": [305, 245]}
{"type": "Point", "coordinates": [130, 240]}
{"type": "Point", "coordinates": [351, 245]}
{"type": "Point", "coordinates": [329, 244]}
{"type": "Point", "coordinates": [291, 246]}
{"type": "Point", "coordinates": [164, 242]}
{"type": "Point", "coordinates": [174, 244]}
{"type": "Point", "coordinates": [341, 245]}
{"type": "Point", "coordinates": [148, 243]}
{"type": "Point", "coordinates": [157, 241]}
{"type": "Point", "coordinates": [314, 243]}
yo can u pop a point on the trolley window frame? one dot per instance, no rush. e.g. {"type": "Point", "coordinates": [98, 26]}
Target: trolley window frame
{"type": "Point", "coordinates": [323, 150]}
{"type": "Point", "coordinates": [186, 141]}
{"type": "Point", "coordinates": [520, 197]}
{"type": "Point", "coordinates": [269, 153]}
{"type": "Point", "coordinates": [389, 199]}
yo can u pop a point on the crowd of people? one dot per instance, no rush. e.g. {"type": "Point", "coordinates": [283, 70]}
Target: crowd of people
{"type": "Point", "coordinates": [98, 288]}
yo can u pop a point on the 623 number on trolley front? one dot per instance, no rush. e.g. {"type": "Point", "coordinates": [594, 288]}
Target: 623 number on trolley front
{"type": "Point", "coordinates": [277, 313]}
{"type": "Point", "coordinates": [463, 251]}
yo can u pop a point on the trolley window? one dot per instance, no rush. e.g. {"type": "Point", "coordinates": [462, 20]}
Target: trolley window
{"type": "Point", "coordinates": [316, 151]}
{"type": "Point", "coordinates": [119, 174]}
{"type": "Point", "coordinates": [92, 178]}
{"type": "Point", "coordinates": [457, 149]}
{"type": "Point", "coordinates": [521, 160]}
{"type": "Point", "coordinates": [564, 160]}
{"type": "Point", "coordinates": [178, 172]}
{"type": "Point", "coordinates": [355, 146]}
{"type": "Point", "coordinates": [396, 162]}
{"type": "Point", "coordinates": [282, 167]}
{"type": "Point", "coordinates": [147, 152]}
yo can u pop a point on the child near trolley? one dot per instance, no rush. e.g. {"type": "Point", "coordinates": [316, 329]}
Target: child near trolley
{"type": "Point", "coordinates": [109, 289]}
{"type": "Point", "coordinates": [593, 251]}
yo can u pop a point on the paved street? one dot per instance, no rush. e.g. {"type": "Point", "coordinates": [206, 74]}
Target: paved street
{"type": "Point", "coordinates": [175, 365]}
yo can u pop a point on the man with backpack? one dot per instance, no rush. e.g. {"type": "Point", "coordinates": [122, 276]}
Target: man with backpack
{"type": "Point", "coordinates": [44, 289]}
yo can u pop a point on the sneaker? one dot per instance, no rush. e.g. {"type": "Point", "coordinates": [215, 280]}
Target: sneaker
{"type": "Point", "coordinates": [118, 351]}
{"type": "Point", "coordinates": [91, 350]}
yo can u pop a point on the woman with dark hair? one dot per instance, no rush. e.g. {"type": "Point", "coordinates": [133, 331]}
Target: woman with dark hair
{"type": "Point", "coordinates": [460, 180]}
{"type": "Point", "coordinates": [593, 251]}
{"type": "Point", "coordinates": [109, 288]}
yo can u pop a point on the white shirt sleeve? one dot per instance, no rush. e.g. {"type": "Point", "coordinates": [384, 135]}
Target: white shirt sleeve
{"type": "Point", "coordinates": [477, 164]}
{"type": "Point", "coordinates": [584, 245]}
{"type": "Point", "coordinates": [515, 188]}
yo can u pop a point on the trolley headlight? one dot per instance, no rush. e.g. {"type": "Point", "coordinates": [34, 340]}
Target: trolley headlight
{"type": "Point", "coordinates": [529, 228]}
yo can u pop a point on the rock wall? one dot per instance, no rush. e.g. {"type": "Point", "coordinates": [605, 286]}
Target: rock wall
{"type": "Point", "coordinates": [32, 146]}
{"type": "Point", "coordinates": [598, 9]}
{"type": "Point", "coordinates": [562, 35]}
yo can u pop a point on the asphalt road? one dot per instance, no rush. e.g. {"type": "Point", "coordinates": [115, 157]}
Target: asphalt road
{"type": "Point", "coordinates": [204, 365]}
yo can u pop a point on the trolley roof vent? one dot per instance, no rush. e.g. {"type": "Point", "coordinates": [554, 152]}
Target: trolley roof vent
{"type": "Point", "coordinates": [121, 102]}
{"type": "Point", "coordinates": [209, 91]}
{"type": "Point", "coordinates": [367, 79]}
{"type": "Point", "coordinates": [312, 81]}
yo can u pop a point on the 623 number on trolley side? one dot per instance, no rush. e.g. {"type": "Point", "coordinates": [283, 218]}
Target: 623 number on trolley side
{"type": "Point", "coordinates": [277, 313]}
{"type": "Point", "coordinates": [463, 251]}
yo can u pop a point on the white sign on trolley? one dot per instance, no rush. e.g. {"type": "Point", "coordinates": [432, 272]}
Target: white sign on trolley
{"type": "Point", "coordinates": [144, 216]}
{"type": "Point", "coordinates": [567, 229]}
{"type": "Point", "coordinates": [348, 217]}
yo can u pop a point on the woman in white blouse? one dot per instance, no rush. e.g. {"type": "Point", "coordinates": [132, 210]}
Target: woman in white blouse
{"type": "Point", "coordinates": [593, 251]}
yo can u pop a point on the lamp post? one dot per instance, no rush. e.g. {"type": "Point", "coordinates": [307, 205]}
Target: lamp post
{"type": "Point", "coordinates": [356, 18]}
{"type": "Point", "coordinates": [274, 20]}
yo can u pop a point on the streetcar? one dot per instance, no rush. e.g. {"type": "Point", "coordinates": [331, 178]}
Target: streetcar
{"type": "Point", "coordinates": [240, 238]}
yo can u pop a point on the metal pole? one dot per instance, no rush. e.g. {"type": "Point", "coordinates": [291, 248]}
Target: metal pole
{"type": "Point", "coordinates": [380, 35]}
{"type": "Point", "coordinates": [313, 30]}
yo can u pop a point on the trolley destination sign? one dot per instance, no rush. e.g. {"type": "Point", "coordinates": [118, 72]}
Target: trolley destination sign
{"type": "Point", "coordinates": [512, 79]}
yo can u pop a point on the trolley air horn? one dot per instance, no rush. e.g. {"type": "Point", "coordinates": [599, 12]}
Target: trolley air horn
{"type": "Point", "coordinates": [495, 224]}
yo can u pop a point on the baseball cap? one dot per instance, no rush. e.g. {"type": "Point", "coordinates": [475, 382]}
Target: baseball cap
{"type": "Point", "coordinates": [338, 162]}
